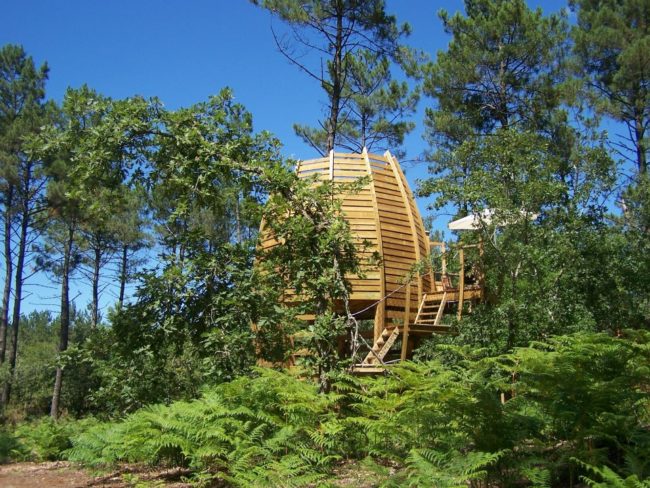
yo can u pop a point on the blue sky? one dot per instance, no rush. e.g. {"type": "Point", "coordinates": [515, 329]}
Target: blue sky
{"type": "Point", "coordinates": [183, 51]}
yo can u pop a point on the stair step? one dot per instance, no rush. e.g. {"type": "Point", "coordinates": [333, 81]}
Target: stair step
{"type": "Point", "coordinates": [366, 369]}
{"type": "Point", "coordinates": [431, 325]}
{"type": "Point", "coordinates": [381, 347]}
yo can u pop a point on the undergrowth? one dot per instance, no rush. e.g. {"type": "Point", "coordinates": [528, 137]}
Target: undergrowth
{"type": "Point", "coordinates": [574, 409]}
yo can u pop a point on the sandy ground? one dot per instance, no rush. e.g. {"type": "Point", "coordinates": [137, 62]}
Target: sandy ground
{"type": "Point", "coordinates": [63, 474]}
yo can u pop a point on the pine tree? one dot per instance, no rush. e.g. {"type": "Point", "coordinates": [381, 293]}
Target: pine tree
{"type": "Point", "coordinates": [500, 72]}
{"type": "Point", "coordinates": [341, 35]}
{"type": "Point", "coordinates": [22, 112]}
{"type": "Point", "coordinates": [612, 44]}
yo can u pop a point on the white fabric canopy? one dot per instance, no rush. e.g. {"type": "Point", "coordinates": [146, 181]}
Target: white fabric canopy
{"type": "Point", "coordinates": [473, 221]}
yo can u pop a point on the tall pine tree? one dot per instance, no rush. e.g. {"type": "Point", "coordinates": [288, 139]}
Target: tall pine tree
{"type": "Point", "coordinates": [22, 112]}
{"type": "Point", "coordinates": [345, 46]}
{"type": "Point", "coordinates": [612, 43]}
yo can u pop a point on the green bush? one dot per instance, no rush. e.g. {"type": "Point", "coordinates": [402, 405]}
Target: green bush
{"type": "Point", "coordinates": [45, 439]}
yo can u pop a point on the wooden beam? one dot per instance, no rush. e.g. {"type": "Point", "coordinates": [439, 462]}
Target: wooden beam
{"type": "Point", "coordinates": [407, 322]}
{"type": "Point", "coordinates": [415, 229]}
{"type": "Point", "coordinates": [380, 313]}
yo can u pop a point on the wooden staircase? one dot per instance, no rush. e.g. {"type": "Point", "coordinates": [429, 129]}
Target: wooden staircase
{"type": "Point", "coordinates": [427, 321]}
{"type": "Point", "coordinates": [374, 360]}
{"type": "Point", "coordinates": [430, 313]}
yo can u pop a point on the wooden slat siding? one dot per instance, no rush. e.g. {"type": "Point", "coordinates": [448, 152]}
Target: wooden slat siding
{"type": "Point", "coordinates": [387, 188]}
{"type": "Point", "coordinates": [389, 209]}
{"type": "Point", "coordinates": [400, 256]}
{"type": "Point", "coordinates": [388, 200]}
{"type": "Point", "coordinates": [314, 166]}
{"type": "Point", "coordinates": [383, 214]}
{"type": "Point", "coordinates": [350, 155]}
{"type": "Point", "coordinates": [408, 199]}
{"type": "Point", "coordinates": [423, 238]}
{"type": "Point", "coordinates": [392, 225]}
{"type": "Point", "coordinates": [381, 307]}
{"type": "Point", "coordinates": [363, 196]}
{"type": "Point", "coordinates": [382, 171]}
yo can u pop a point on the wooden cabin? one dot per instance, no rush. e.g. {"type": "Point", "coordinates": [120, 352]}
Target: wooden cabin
{"type": "Point", "coordinates": [385, 215]}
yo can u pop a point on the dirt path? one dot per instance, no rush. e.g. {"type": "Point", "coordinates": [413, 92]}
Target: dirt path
{"type": "Point", "coordinates": [66, 475]}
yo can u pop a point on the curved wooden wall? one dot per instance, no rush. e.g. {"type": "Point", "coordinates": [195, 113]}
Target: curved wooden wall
{"type": "Point", "coordinates": [384, 214]}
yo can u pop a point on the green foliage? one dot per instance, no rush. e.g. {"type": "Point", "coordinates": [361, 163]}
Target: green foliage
{"type": "Point", "coordinates": [522, 415]}
{"type": "Point", "coordinates": [462, 418]}
{"type": "Point", "coordinates": [46, 439]}
{"type": "Point", "coordinates": [611, 479]}
{"type": "Point", "coordinates": [314, 256]}
{"type": "Point", "coordinates": [505, 149]}
{"type": "Point", "coordinates": [36, 363]}
{"type": "Point", "coordinates": [612, 43]}
{"type": "Point", "coordinates": [263, 431]}
{"type": "Point", "coordinates": [449, 469]}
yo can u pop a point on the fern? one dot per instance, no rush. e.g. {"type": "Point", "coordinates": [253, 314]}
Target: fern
{"type": "Point", "coordinates": [610, 479]}
{"type": "Point", "coordinates": [250, 432]}
{"type": "Point", "coordinates": [449, 469]}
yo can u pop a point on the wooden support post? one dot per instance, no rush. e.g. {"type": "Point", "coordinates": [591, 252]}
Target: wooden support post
{"type": "Point", "coordinates": [407, 322]}
{"type": "Point", "coordinates": [379, 322]}
{"type": "Point", "coordinates": [432, 272]}
{"type": "Point", "coordinates": [443, 248]}
{"type": "Point", "coordinates": [461, 282]}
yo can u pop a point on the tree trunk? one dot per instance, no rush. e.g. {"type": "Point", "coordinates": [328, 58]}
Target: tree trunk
{"type": "Point", "coordinates": [123, 275]}
{"type": "Point", "coordinates": [238, 220]}
{"type": "Point", "coordinates": [641, 157]}
{"type": "Point", "coordinates": [95, 297]}
{"type": "Point", "coordinates": [65, 321]}
{"type": "Point", "coordinates": [4, 315]}
{"type": "Point", "coordinates": [18, 296]}
{"type": "Point", "coordinates": [337, 84]}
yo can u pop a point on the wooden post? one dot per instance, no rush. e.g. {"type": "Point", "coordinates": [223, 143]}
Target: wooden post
{"type": "Point", "coordinates": [432, 272]}
{"type": "Point", "coordinates": [461, 282]}
{"type": "Point", "coordinates": [407, 322]}
{"type": "Point", "coordinates": [443, 249]}
{"type": "Point", "coordinates": [380, 313]}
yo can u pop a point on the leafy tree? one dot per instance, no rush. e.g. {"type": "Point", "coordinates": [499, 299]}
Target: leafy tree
{"type": "Point", "coordinates": [22, 112]}
{"type": "Point", "coordinates": [61, 255]}
{"type": "Point", "coordinates": [93, 151]}
{"type": "Point", "coordinates": [61, 250]}
{"type": "Point", "coordinates": [612, 43]}
{"type": "Point", "coordinates": [314, 255]}
{"type": "Point", "coordinates": [506, 150]}
{"type": "Point", "coordinates": [353, 42]}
